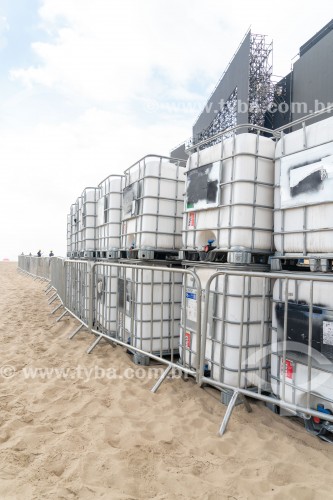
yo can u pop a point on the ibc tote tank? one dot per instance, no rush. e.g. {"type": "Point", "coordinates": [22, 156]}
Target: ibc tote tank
{"type": "Point", "coordinates": [89, 198]}
{"type": "Point", "coordinates": [69, 236]}
{"type": "Point", "coordinates": [78, 227]}
{"type": "Point", "coordinates": [296, 371]}
{"type": "Point", "coordinates": [225, 321]}
{"type": "Point", "coordinates": [149, 309]}
{"type": "Point", "coordinates": [152, 205]}
{"type": "Point", "coordinates": [304, 191]}
{"type": "Point", "coordinates": [229, 195]}
{"type": "Point", "coordinates": [109, 216]}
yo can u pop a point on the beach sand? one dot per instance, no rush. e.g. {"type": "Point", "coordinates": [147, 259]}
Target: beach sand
{"type": "Point", "coordinates": [68, 438]}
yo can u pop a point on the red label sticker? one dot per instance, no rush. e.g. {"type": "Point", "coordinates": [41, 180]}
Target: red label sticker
{"type": "Point", "coordinates": [188, 340]}
{"type": "Point", "coordinates": [288, 368]}
{"type": "Point", "coordinates": [191, 219]}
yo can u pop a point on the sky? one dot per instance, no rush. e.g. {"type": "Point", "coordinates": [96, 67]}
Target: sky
{"type": "Point", "coordinates": [89, 87]}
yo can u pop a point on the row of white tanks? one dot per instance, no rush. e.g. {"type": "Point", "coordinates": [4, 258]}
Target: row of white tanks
{"type": "Point", "coordinates": [138, 214]}
{"type": "Point", "coordinates": [139, 211]}
{"type": "Point", "coordinates": [233, 194]}
{"type": "Point", "coordinates": [260, 182]}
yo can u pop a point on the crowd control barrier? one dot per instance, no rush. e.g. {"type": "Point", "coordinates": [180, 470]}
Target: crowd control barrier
{"type": "Point", "coordinates": [37, 267]}
{"type": "Point", "coordinates": [293, 367]}
{"type": "Point", "coordinates": [132, 305]}
{"type": "Point", "coordinates": [266, 336]}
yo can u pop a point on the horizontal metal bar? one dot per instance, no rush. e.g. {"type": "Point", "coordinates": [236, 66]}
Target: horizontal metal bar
{"type": "Point", "coordinates": [267, 399]}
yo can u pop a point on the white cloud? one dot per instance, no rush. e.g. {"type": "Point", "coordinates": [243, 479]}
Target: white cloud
{"type": "Point", "coordinates": [104, 63]}
{"type": "Point", "coordinates": [112, 51]}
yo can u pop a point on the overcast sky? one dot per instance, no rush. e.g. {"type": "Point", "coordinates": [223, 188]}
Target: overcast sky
{"type": "Point", "coordinates": [87, 87]}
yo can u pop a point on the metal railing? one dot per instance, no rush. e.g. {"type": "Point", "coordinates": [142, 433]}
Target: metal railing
{"type": "Point", "coordinates": [136, 306]}
{"type": "Point", "coordinates": [300, 370]}
{"type": "Point", "coordinates": [37, 267]}
{"type": "Point", "coordinates": [266, 336]}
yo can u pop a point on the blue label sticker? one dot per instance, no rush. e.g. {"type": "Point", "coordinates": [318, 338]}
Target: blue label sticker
{"type": "Point", "coordinates": [191, 295]}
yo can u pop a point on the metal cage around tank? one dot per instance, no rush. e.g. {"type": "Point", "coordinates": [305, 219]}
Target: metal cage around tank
{"type": "Point", "coordinates": [152, 208]}
{"type": "Point", "coordinates": [229, 197]}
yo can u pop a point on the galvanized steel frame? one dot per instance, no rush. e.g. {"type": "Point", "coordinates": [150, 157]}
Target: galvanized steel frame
{"type": "Point", "coordinates": [138, 217]}
{"type": "Point", "coordinates": [62, 285]}
{"type": "Point", "coordinates": [304, 231]}
{"type": "Point", "coordinates": [222, 136]}
{"type": "Point", "coordinates": [239, 392]}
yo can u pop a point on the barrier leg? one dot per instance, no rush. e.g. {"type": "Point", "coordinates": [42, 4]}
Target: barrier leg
{"type": "Point", "coordinates": [52, 297]}
{"type": "Point", "coordinates": [56, 309]}
{"type": "Point", "coordinates": [94, 344]}
{"type": "Point", "coordinates": [62, 315]}
{"type": "Point", "coordinates": [162, 378]}
{"type": "Point", "coordinates": [228, 413]}
{"type": "Point", "coordinates": [72, 335]}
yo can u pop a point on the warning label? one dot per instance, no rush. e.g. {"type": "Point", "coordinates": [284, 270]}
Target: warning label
{"type": "Point", "coordinates": [288, 368]}
{"type": "Point", "coordinates": [188, 340]}
{"type": "Point", "coordinates": [191, 304]}
{"type": "Point", "coordinates": [328, 332]}
{"type": "Point", "coordinates": [191, 219]}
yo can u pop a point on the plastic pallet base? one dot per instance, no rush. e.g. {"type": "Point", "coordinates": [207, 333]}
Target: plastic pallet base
{"type": "Point", "coordinates": [225, 257]}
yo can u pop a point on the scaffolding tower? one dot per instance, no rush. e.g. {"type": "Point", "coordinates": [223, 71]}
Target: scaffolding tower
{"type": "Point", "coordinates": [261, 88]}
{"type": "Point", "coordinates": [260, 94]}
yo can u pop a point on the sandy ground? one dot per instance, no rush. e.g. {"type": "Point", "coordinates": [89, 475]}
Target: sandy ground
{"type": "Point", "coordinates": [80, 436]}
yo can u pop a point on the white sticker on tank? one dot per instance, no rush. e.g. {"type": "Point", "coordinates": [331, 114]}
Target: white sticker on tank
{"type": "Point", "coordinates": [191, 304]}
{"type": "Point", "coordinates": [307, 176]}
{"type": "Point", "coordinates": [328, 332]}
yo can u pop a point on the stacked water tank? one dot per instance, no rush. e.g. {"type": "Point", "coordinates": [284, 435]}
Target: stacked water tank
{"type": "Point", "coordinates": [149, 301]}
{"type": "Point", "coordinates": [76, 227]}
{"type": "Point", "coordinates": [303, 236]}
{"type": "Point", "coordinates": [108, 249]}
{"type": "Point", "coordinates": [109, 217]}
{"type": "Point", "coordinates": [228, 225]}
{"type": "Point", "coordinates": [87, 222]}
{"type": "Point", "coordinates": [69, 236]}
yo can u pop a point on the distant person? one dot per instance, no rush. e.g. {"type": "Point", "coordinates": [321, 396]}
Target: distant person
{"type": "Point", "coordinates": [30, 254]}
{"type": "Point", "coordinates": [39, 253]}
{"type": "Point", "coordinates": [51, 254]}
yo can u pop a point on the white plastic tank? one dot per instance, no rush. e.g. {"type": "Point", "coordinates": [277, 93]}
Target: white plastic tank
{"type": "Point", "coordinates": [227, 341]}
{"type": "Point", "coordinates": [69, 235]}
{"type": "Point", "coordinates": [109, 215]}
{"type": "Point", "coordinates": [74, 226]}
{"type": "Point", "coordinates": [88, 219]}
{"type": "Point", "coordinates": [152, 204]}
{"type": "Point", "coordinates": [106, 295]}
{"type": "Point", "coordinates": [304, 190]}
{"type": "Point", "coordinates": [78, 226]}
{"type": "Point", "coordinates": [297, 336]}
{"type": "Point", "coordinates": [229, 195]}
{"type": "Point", "coordinates": [149, 309]}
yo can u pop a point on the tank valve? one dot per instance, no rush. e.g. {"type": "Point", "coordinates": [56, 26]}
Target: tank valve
{"type": "Point", "coordinates": [322, 409]}
{"type": "Point", "coordinates": [209, 246]}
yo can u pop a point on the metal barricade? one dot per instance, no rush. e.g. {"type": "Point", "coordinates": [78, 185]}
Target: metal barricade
{"type": "Point", "coordinates": [284, 368]}
{"type": "Point", "coordinates": [37, 267]}
{"type": "Point", "coordinates": [58, 277]}
{"type": "Point", "coordinates": [136, 306]}
{"type": "Point", "coordinates": [77, 289]}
